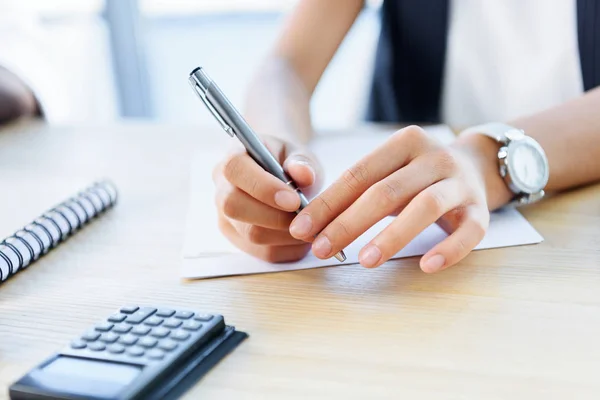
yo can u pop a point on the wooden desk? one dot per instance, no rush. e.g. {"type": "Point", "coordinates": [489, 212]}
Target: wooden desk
{"type": "Point", "coordinates": [511, 323]}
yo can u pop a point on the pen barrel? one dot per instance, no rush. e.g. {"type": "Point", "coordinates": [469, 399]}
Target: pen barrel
{"type": "Point", "coordinates": [254, 146]}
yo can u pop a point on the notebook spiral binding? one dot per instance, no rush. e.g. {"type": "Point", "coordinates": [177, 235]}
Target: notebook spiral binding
{"type": "Point", "coordinates": [54, 226]}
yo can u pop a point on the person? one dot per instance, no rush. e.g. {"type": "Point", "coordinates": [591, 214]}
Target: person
{"type": "Point", "coordinates": [29, 83]}
{"type": "Point", "coordinates": [526, 64]}
{"type": "Point", "coordinates": [16, 99]}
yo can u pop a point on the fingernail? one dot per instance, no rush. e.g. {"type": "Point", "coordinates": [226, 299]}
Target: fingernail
{"type": "Point", "coordinates": [434, 263]}
{"type": "Point", "coordinates": [369, 256]}
{"type": "Point", "coordinates": [301, 226]}
{"type": "Point", "coordinates": [322, 247]}
{"type": "Point", "coordinates": [305, 163]}
{"type": "Point", "coordinates": [287, 200]}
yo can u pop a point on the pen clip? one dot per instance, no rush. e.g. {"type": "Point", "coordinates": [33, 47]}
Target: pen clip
{"type": "Point", "coordinates": [212, 109]}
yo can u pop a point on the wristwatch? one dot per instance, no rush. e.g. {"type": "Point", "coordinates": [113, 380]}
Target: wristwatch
{"type": "Point", "coordinates": [521, 161]}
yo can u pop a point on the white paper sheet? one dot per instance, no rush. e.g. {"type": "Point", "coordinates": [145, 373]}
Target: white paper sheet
{"type": "Point", "coordinates": [207, 253]}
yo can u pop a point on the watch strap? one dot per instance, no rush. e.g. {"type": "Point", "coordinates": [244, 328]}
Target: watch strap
{"type": "Point", "coordinates": [495, 130]}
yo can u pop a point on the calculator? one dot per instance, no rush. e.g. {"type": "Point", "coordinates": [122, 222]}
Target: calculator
{"type": "Point", "coordinates": [137, 353]}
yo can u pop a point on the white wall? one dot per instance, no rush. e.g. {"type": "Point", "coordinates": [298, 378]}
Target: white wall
{"type": "Point", "coordinates": [230, 43]}
{"type": "Point", "coordinates": [230, 47]}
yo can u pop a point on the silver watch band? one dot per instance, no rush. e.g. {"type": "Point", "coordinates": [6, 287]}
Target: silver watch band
{"type": "Point", "coordinates": [503, 134]}
{"type": "Point", "coordinates": [495, 130]}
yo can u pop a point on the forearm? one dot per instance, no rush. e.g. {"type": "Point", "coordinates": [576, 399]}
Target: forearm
{"type": "Point", "coordinates": [16, 100]}
{"type": "Point", "coordinates": [278, 104]}
{"type": "Point", "coordinates": [570, 136]}
{"type": "Point", "coordinates": [568, 133]}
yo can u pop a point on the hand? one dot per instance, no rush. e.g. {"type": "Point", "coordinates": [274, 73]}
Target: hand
{"type": "Point", "coordinates": [256, 209]}
{"type": "Point", "coordinates": [417, 178]}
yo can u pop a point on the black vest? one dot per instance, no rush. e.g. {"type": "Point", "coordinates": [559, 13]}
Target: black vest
{"type": "Point", "coordinates": [411, 54]}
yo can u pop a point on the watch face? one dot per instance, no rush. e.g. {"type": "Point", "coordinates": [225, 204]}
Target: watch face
{"type": "Point", "coordinates": [527, 165]}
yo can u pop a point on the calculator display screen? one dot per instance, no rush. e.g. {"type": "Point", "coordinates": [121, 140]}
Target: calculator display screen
{"type": "Point", "coordinates": [112, 375]}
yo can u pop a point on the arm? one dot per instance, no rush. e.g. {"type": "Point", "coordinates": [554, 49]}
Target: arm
{"type": "Point", "coordinates": [255, 209]}
{"type": "Point", "coordinates": [568, 133]}
{"type": "Point", "coordinates": [279, 96]}
{"type": "Point", "coordinates": [16, 100]}
{"type": "Point", "coordinates": [31, 82]}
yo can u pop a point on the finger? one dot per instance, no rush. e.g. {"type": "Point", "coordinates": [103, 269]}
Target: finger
{"type": "Point", "coordinates": [379, 201]}
{"type": "Point", "coordinates": [391, 156]}
{"type": "Point", "coordinates": [273, 254]}
{"type": "Point", "coordinates": [264, 236]}
{"type": "Point", "coordinates": [422, 211]}
{"type": "Point", "coordinates": [303, 168]}
{"type": "Point", "coordinates": [238, 205]}
{"type": "Point", "coordinates": [243, 172]}
{"type": "Point", "coordinates": [455, 247]}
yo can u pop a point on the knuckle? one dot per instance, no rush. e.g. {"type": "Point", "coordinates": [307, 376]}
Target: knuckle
{"type": "Point", "coordinates": [412, 133]}
{"type": "Point", "coordinates": [457, 251]}
{"type": "Point", "coordinates": [433, 201]}
{"type": "Point", "coordinates": [325, 203]}
{"type": "Point", "coordinates": [340, 227]}
{"type": "Point", "coordinates": [229, 205]}
{"type": "Point", "coordinates": [284, 220]}
{"type": "Point", "coordinates": [388, 192]}
{"type": "Point", "coordinates": [356, 176]}
{"type": "Point", "coordinates": [232, 166]}
{"type": "Point", "coordinates": [445, 162]}
{"type": "Point", "coordinates": [256, 234]}
{"type": "Point", "coordinates": [271, 254]}
{"type": "Point", "coordinates": [479, 228]}
{"type": "Point", "coordinates": [274, 254]}
{"type": "Point", "coordinates": [254, 189]}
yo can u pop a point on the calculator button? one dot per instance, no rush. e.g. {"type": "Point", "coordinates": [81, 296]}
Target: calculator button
{"type": "Point", "coordinates": [160, 332]}
{"type": "Point", "coordinates": [203, 317]}
{"type": "Point", "coordinates": [104, 327]}
{"type": "Point", "coordinates": [78, 344]}
{"type": "Point", "coordinates": [192, 325]}
{"type": "Point", "coordinates": [90, 336]}
{"type": "Point", "coordinates": [117, 318]}
{"type": "Point", "coordinates": [167, 345]}
{"type": "Point", "coordinates": [155, 354]}
{"type": "Point", "coordinates": [153, 321]}
{"type": "Point", "coordinates": [164, 312]}
{"type": "Point", "coordinates": [140, 330]}
{"type": "Point", "coordinates": [184, 314]}
{"type": "Point", "coordinates": [135, 352]}
{"type": "Point", "coordinates": [108, 337]}
{"type": "Point", "coordinates": [180, 335]}
{"type": "Point", "coordinates": [128, 340]}
{"type": "Point", "coordinates": [121, 328]}
{"type": "Point", "coordinates": [96, 346]}
{"type": "Point", "coordinates": [129, 309]}
{"type": "Point", "coordinates": [115, 349]}
{"type": "Point", "coordinates": [172, 323]}
{"type": "Point", "coordinates": [147, 342]}
{"type": "Point", "coordinates": [140, 315]}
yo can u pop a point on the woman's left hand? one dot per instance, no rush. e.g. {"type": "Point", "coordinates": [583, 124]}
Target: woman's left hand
{"type": "Point", "coordinates": [414, 177]}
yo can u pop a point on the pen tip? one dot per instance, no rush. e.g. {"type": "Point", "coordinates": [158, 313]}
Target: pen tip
{"type": "Point", "coordinates": [341, 257]}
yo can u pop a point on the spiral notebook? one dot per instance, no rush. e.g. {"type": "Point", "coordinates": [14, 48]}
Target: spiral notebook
{"type": "Point", "coordinates": [47, 231]}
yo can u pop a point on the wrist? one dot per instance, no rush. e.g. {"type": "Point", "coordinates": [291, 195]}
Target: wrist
{"type": "Point", "coordinates": [484, 152]}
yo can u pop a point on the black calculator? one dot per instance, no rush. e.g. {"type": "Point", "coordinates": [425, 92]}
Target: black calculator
{"type": "Point", "coordinates": [136, 353]}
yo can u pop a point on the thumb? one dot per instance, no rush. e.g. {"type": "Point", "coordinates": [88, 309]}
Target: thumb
{"type": "Point", "coordinates": [305, 170]}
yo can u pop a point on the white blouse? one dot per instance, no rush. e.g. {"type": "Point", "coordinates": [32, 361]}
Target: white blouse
{"type": "Point", "coordinates": [507, 58]}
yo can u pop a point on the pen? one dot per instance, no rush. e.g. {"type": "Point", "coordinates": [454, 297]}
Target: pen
{"type": "Point", "coordinates": [234, 124]}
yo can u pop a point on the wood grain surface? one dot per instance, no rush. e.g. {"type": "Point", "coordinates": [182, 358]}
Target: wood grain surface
{"type": "Point", "coordinates": [518, 323]}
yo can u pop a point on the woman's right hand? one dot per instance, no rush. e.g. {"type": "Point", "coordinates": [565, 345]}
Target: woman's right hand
{"type": "Point", "coordinates": [256, 209]}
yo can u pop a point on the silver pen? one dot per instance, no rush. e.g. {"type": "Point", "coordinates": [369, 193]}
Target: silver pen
{"type": "Point", "coordinates": [234, 124]}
